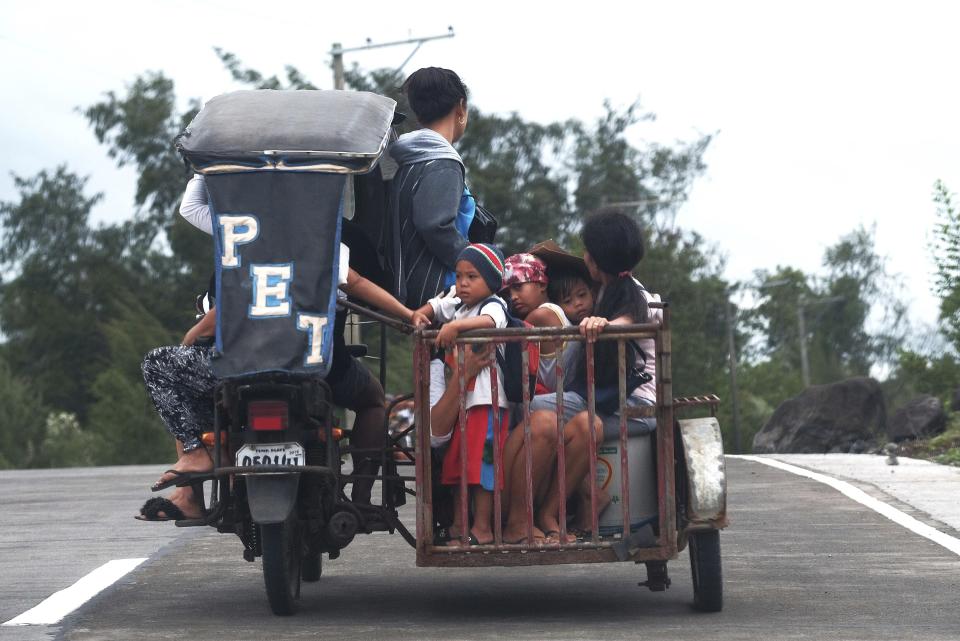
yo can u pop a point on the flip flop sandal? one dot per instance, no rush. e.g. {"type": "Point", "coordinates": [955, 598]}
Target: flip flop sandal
{"type": "Point", "coordinates": [152, 509]}
{"type": "Point", "coordinates": [180, 479]}
{"type": "Point", "coordinates": [537, 540]}
{"type": "Point", "coordinates": [441, 536]}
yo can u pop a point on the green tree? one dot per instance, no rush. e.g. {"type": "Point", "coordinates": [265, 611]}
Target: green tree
{"type": "Point", "coordinates": [121, 414]}
{"type": "Point", "coordinates": [918, 373]}
{"type": "Point", "coordinates": [22, 421]}
{"type": "Point", "coordinates": [934, 368]}
{"type": "Point", "coordinates": [946, 255]}
{"type": "Point", "coordinates": [65, 444]}
{"type": "Point", "coordinates": [253, 78]}
{"type": "Point", "coordinates": [66, 308]}
{"type": "Point", "coordinates": [48, 307]}
{"type": "Point", "coordinates": [836, 309]}
{"type": "Point", "coordinates": [852, 322]}
{"type": "Point", "coordinates": [510, 173]}
{"type": "Point", "coordinates": [138, 128]}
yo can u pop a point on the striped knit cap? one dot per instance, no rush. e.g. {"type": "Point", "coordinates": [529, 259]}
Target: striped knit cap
{"type": "Point", "coordinates": [489, 262]}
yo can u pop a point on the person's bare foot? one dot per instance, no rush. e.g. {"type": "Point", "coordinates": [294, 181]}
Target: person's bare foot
{"type": "Point", "coordinates": [484, 536]}
{"type": "Point", "coordinates": [584, 522]}
{"type": "Point", "coordinates": [187, 500]}
{"type": "Point", "coordinates": [196, 460]}
{"type": "Point", "coordinates": [553, 536]}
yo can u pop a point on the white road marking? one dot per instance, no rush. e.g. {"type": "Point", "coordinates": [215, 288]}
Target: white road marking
{"type": "Point", "coordinates": [892, 513]}
{"type": "Point", "coordinates": [59, 604]}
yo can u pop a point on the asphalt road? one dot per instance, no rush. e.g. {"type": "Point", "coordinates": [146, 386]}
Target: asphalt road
{"type": "Point", "coordinates": [800, 562]}
{"type": "Point", "coordinates": [58, 525]}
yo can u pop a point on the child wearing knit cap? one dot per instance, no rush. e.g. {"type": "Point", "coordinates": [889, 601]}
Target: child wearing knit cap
{"type": "Point", "coordinates": [479, 273]}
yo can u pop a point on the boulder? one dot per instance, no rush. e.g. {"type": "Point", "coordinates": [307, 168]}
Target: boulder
{"type": "Point", "coordinates": [826, 418]}
{"type": "Point", "coordinates": [922, 417]}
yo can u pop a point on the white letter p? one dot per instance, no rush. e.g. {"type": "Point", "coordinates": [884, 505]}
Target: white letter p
{"type": "Point", "coordinates": [236, 230]}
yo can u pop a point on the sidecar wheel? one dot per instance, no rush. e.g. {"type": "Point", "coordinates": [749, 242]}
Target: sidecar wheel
{"type": "Point", "coordinates": [705, 568]}
{"type": "Point", "coordinates": [281, 565]}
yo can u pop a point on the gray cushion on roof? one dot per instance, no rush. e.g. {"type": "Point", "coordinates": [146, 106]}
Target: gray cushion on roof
{"type": "Point", "coordinates": [247, 126]}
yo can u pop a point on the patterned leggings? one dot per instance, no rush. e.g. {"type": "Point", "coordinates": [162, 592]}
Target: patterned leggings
{"type": "Point", "coordinates": [180, 382]}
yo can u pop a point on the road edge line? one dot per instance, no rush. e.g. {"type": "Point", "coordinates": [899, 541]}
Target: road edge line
{"type": "Point", "coordinates": [900, 518]}
{"type": "Point", "coordinates": [58, 605]}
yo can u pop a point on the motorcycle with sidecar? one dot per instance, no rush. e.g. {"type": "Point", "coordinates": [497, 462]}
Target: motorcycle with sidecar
{"type": "Point", "coordinates": [290, 174]}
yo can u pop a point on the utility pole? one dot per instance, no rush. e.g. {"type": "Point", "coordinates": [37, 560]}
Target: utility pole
{"type": "Point", "coordinates": [802, 328]}
{"type": "Point", "coordinates": [337, 51]}
{"type": "Point", "coordinates": [804, 358]}
{"type": "Point", "coordinates": [732, 347]}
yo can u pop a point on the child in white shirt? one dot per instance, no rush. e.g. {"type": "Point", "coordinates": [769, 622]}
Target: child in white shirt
{"type": "Point", "coordinates": [479, 272]}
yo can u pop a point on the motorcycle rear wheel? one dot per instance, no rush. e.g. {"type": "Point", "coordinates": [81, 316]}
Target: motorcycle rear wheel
{"type": "Point", "coordinates": [282, 557]}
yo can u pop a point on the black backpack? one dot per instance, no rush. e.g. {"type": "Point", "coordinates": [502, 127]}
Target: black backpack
{"type": "Point", "coordinates": [511, 361]}
{"type": "Point", "coordinates": [484, 226]}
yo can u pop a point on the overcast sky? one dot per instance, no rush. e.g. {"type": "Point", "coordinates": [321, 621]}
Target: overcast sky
{"type": "Point", "coordinates": [827, 115]}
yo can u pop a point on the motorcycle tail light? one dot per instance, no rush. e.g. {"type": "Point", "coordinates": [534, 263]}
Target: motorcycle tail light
{"type": "Point", "coordinates": [209, 439]}
{"type": "Point", "coordinates": [268, 415]}
{"type": "Point", "coordinates": [337, 434]}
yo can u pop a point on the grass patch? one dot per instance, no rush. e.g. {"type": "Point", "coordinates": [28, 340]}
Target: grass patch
{"type": "Point", "coordinates": [943, 448]}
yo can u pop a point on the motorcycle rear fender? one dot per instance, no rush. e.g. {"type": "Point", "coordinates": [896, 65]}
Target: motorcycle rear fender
{"type": "Point", "coordinates": [272, 497]}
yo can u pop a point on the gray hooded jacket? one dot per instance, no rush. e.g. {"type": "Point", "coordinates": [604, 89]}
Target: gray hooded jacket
{"type": "Point", "coordinates": [421, 243]}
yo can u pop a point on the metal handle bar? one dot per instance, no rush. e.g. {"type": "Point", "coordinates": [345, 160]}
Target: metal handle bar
{"type": "Point", "coordinates": [395, 323]}
{"type": "Point", "coordinates": [407, 328]}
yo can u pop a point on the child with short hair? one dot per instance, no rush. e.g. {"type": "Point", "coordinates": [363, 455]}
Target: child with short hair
{"type": "Point", "coordinates": [479, 271]}
{"type": "Point", "coordinates": [573, 292]}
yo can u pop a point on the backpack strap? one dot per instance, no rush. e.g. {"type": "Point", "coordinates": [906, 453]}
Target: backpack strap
{"type": "Point", "coordinates": [506, 312]}
{"type": "Point", "coordinates": [498, 301]}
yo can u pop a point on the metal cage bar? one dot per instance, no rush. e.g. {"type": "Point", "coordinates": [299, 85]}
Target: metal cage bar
{"type": "Point", "coordinates": [462, 426]}
{"type": "Point", "coordinates": [624, 459]}
{"type": "Point", "coordinates": [527, 445]}
{"type": "Point", "coordinates": [496, 410]}
{"type": "Point", "coordinates": [561, 451]}
{"type": "Point", "coordinates": [592, 418]}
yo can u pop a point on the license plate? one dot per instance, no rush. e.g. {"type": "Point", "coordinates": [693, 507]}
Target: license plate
{"type": "Point", "coordinates": [271, 454]}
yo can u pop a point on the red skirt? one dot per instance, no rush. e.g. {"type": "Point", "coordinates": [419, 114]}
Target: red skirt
{"type": "Point", "coordinates": [479, 425]}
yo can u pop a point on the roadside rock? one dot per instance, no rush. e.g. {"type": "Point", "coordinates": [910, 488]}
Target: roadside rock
{"type": "Point", "coordinates": [922, 417]}
{"type": "Point", "coordinates": [955, 401]}
{"type": "Point", "coordinates": [826, 418]}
